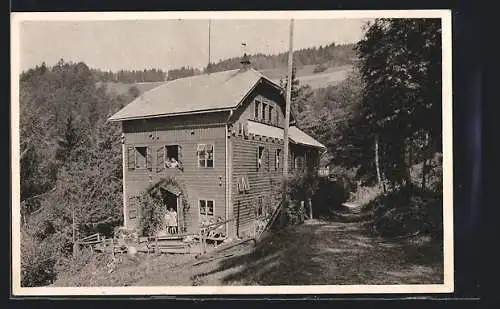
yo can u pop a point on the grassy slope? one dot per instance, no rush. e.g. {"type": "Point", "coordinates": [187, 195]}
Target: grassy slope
{"type": "Point", "coordinates": [318, 252]}
{"type": "Point", "coordinates": [305, 75]}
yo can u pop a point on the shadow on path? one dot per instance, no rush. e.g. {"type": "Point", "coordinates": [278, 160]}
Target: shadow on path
{"type": "Point", "coordinates": [323, 252]}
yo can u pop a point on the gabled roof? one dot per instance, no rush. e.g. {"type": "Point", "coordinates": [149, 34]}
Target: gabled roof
{"type": "Point", "coordinates": [296, 135]}
{"type": "Point", "coordinates": [201, 93]}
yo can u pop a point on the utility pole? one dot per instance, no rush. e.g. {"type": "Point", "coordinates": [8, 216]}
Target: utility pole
{"type": "Point", "coordinates": [287, 121]}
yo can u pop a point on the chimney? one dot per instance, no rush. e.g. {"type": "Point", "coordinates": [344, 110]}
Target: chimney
{"type": "Point", "coordinates": [245, 60]}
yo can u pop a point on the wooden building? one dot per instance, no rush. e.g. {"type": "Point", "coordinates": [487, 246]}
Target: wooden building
{"type": "Point", "coordinates": [220, 137]}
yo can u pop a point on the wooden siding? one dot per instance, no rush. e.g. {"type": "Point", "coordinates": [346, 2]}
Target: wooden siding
{"type": "Point", "coordinates": [210, 183]}
{"type": "Point", "coordinates": [264, 182]}
{"type": "Point", "coordinates": [200, 183]}
{"type": "Point", "coordinates": [264, 94]}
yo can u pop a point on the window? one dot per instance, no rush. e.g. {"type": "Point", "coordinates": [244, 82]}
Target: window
{"type": "Point", "coordinates": [207, 207]}
{"type": "Point", "coordinates": [271, 114]}
{"type": "Point", "coordinates": [299, 163]}
{"type": "Point", "coordinates": [169, 156]}
{"type": "Point", "coordinates": [264, 112]}
{"type": "Point", "coordinates": [141, 154]}
{"type": "Point", "coordinates": [205, 153]}
{"type": "Point", "coordinates": [259, 211]}
{"type": "Point", "coordinates": [172, 156]}
{"type": "Point", "coordinates": [257, 110]}
{"type": "Point", "coordinates": [277, 159]}
{"type": "Point", "coordinates": [139, 157]}
{"type": "Point", "coordinates": [260, 157]}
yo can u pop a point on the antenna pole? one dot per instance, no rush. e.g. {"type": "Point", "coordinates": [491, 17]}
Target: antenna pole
{"type": "Point", "coordinates": [209, 32]}
{"type": "Point", "coordinates": [287, 121]}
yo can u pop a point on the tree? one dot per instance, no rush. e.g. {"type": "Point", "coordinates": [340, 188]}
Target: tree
{"type": "Point", "coordinates": [68, 141]}
{"type": "Point", "coordinates": [70, 163]}
{"type": "Point", "coordinates": [400, 64]}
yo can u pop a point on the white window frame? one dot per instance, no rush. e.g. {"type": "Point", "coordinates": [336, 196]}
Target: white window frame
{"type": "Point", "coordinates": [264, 112]}
{"type": "Point", "coordinates": [198, 157]}
{"type": "Point", "coordinates": [270, 114]}
{"type": "Point", "coordinates": [260, 159]}
{"type": "Point", "coordinates": [206, 207]}
{"type": "Point", "coordinates": [277, 159]}
{"type": "Point", "coordinates": [258, 107]}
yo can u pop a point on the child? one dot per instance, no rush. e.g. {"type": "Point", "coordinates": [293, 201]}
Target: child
{"type": "Point", "coordinates": [173, 221]}
{"type": "Point", "coordinates": [173, 163]}
{"type": "Point", "coordinates": [167, 220]}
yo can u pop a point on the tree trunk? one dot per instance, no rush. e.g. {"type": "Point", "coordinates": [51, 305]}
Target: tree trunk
{"type": "Point", "coordinates": [424, 164]}
{"type": "Point", "coordinates": [377, 166]}
{"type": "Point", "coordinates": [424, 172]}
{"type": "Point", "coordinates": [380, 177]}
{"type": "Point", "coordinates": [410, 161]}
{"type": "Point", "coordinates": [406, 171]}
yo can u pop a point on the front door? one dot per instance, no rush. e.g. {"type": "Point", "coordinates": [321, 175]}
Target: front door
{"type": "Point", "coordinates": [170, 200]}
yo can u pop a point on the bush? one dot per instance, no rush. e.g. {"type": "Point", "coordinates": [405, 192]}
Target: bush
{"type": "Point", "coordinates": [319, 68]}
{"type": "Point", "coordinates": [151, 217]}
{"type": "Point", "coordinates": [407, 211]}
{"type": "Point", "coordinates": [301, 187]}
{"type": "Point", "coordinates": [364, 195]}
{"type": "Point", "coordinates": [37, 262]}
{"type": "Point", "coordinates": [329, 196]}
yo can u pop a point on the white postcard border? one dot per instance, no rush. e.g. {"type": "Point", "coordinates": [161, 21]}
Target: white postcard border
{"type": "Point", "coordinates": [446, 287]}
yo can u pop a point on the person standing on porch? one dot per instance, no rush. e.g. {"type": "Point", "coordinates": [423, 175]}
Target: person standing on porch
{"type": "Point", "coordinates": [167, 220]}
{"type": "Point", "coordinates": [173, 221]}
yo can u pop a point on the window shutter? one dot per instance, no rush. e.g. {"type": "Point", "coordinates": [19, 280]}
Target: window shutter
{"type": "Point", "coordinates": [257, 158]}
{"type": "Point", "coordinates": [268, 161]}
{"type": "Point", "coordinates": [160, 158]}
{"type": "Point", "coordinates": [179, 150]}
{"type": "Point", "coordinates": [148, 158]}
{"type": "Point", "coordinates": [131, 158]}
{"type": "Point", "coordinates": [247, 183]}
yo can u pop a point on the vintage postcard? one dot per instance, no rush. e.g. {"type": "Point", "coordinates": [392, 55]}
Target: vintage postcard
{"type": "Point", "coordinates": [186, 153]}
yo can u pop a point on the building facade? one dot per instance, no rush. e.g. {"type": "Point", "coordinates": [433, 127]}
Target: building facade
{"type": "Point", "coordinates": [213, 146]}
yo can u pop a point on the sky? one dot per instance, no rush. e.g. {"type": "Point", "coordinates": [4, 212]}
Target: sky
{"type": "Point", "coordinates": [170, 44]}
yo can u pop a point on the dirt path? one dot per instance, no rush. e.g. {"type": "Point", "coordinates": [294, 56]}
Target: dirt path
{"type": "Point", "coordinates": [323, 252]}
{"type": "Point", "coordinates": [317, 252]}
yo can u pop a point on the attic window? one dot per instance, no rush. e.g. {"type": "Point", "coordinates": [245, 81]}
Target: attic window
{"type": "Point", "coordinates": [257, 110]}
{"type": "Point", "coordinates": [264, 112]}
{"type": "Point", "coordinates": [271, 114]}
